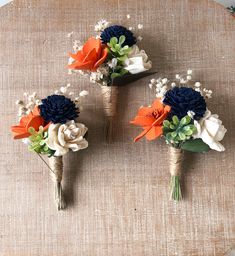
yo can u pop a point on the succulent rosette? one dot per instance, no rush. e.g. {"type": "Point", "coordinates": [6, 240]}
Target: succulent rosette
{"type": "Point", "coordinates": [180, 115]}
{"type": "Point", "coordinates": [50, 127]}
{"type": "Point", "coordinates": [110, 59]}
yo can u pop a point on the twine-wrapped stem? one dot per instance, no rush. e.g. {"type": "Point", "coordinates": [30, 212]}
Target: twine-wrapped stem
{"type": "Point", "coordinates": [176, 159]}
{"type": "Point", "coordinates": [56, 166]}
{"type": "Point", "coordinates": [110, 94]}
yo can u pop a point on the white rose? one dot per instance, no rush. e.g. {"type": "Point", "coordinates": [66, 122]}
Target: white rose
{"type": "Point", "coordinates": [210, 130]}
{"type": "Point", "coordinates": [62, 137]}
{"type": "Point", "coordinates": [137, 61]}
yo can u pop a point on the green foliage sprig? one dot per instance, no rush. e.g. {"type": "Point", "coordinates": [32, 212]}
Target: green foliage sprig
{"type": "Point", "coordinates": [120, 53]}
{"type": "Point", "coordinates": [38, 143]}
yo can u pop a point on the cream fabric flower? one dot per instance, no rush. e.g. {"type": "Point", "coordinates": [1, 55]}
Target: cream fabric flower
{"type": "Point", "coordinates": [137, 61]}
{"type": "Point", "coordinates": [210, 130]}
{"type": "Point", "coordinates": [62, 137]}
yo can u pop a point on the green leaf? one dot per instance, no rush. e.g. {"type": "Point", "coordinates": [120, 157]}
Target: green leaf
{"type": "Point", "coordinates": [113, 75]}
{"type": "Point", "coordinates": [185, 120]}
{"type": "Point", "coordinates": [31, 130]}
{"type": "Point", "coordinates": [113, 41]}
{"type": "Point", "coordinates": [122, 39]}
{"type": "Point", "coordinates": [122, 59]}
{"type": "Point", "coordinates": [182, 136]}
{"type": "Point", "coordinates": [195, 145]}
{"type": "Point", "coordinates": [166, 123]}
{"type": "Point", "coordinates": [123, 72]}
{"type": "Point", "coordinates": [175, 120]}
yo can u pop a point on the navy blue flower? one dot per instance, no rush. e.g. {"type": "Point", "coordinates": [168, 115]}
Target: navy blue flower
{"type": "Point", "coordinates": [183, 99]}
{"type": "Point", "coordinates": [117, 31]}
{"type": "Point", "coordinates": [58, 109]}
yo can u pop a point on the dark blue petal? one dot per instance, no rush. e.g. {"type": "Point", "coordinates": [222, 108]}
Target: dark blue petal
{"type": "Point", "coordinates": [184, 99]}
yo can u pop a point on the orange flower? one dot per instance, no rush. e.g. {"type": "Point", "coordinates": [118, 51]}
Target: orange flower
{"type": "Point", "coordinates": [151, 120]}
{"type": "Point", "coordinates": [92, 55]}
{"type": "Point", "coordinates": [33, 119]}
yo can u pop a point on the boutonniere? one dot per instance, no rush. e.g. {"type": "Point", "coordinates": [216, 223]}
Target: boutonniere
{"type": "Point", "coordinates": [110, 59]}
{"type": "Point", "coordinates": [50, 127]}
{"type": "Point", "coordinates": [231, 9]}
{"type": "Point", "coordinates": [180, 115]}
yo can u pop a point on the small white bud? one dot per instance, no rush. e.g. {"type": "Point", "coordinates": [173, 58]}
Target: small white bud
{"type": "Point", "coordinates": [189, 72]}
{"type": "Point", "coordinates": [197, 84]}
{"type": "Point", "coordinates": [19, 102]}
{"type": "Point", "coordinates": [150, 86]}
{"type": "Point", "coordinates": [189, 77]}
{"type": "Point", "coordinates": [177, 76]}
{"type": "Point", "coordinates": [140, 26]}
{"type": "Point", "coordinates": [164, 80]}
{"type": "Point", "coordinates": [173, 84]}
{"type": "Point", "coordinates": [128, 16]}
{"type": "Point", "coordinates": [83, 93]}
{"type": "Point", "coordinates": [153, 81]}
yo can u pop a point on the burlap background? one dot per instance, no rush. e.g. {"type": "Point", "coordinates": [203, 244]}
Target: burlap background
{"type": "Point", "coordinates": [118, 194]}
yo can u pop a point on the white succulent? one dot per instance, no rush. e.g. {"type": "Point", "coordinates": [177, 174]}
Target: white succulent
{"type": "Point", "coordinates": [63, 137]}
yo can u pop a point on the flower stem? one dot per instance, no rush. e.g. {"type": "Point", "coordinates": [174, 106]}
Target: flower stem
{"type": "Point", "coordinates": [175, 188]}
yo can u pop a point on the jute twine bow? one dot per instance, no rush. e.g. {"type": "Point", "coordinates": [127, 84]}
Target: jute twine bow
{"type": "Point", "coordinates": [110, 94]}
{"type": "Point", "coordinates": [56, 165]}
{"type": "Point", "coordinates": [176, 160]}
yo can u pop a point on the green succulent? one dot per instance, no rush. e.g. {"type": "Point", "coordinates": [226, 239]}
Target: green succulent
{"type": "Point", "coordinates": [119, 71]}
{"type": "Point", "coordinates": [177, 131]}
{"type": "Point", "coordinates": [38, 143]}
{"type": "Point", "coordinates": [115, 46]}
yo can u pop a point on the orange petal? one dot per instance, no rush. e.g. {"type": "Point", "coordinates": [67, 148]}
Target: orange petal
{"type": "Point", "coordinates": [36, 111]}
{"type": "Point", "coordinates": [35, 122]}
{"type": "Point", "coordinates": [76, 56]}
{"type": "Point", "coordinates": [19, 132]}
{"type": "Point", "coordinates": [91, 43]}
{"type": "Point", "coordinates": [18, 129]}
{"type": "Point", "coordinates": [102, 59]}
{"type": "Point", "coordinates": [154, 133]}
{"type": "Point", "coordinates": [143, 121]}
{"type": "Point", "coordinates": [157, 104]}
{"type": "Point", "coordinates": [145, 111]}
{"type": "Point", "coordinates": [141, 135]}
{"type": "Point", "coordinates": [17, 136]}
{"type": "Point", "coordinates": [79, 65]}
{"type": "Point", "coordinates": [91, 56]}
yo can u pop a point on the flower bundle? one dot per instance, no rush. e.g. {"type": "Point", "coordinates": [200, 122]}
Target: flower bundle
{"type": "Point", "coordinates": [180, 115]}
{"type": "Point", "coordinates": [231, 9]}
{"type": "Point", "coordinates": [110, 59]}
{"type": "Point", "coordinates": [49, 127]}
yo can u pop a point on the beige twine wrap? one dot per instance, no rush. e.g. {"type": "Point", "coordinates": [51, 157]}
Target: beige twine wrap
{"type": "Point", "coordinates": [56, 165]}
{"type": "Point", "coordinates": [110, 94]}
{"type": "Point", "coordinates": [176, 159]}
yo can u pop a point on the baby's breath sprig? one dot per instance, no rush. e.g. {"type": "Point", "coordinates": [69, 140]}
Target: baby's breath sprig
{"type": "Point", "coordinates": [27, 105]}
{"type": "Point", "coordinates": [162, 85]}
{"type": "Point", "coordinates": [65, 90]}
